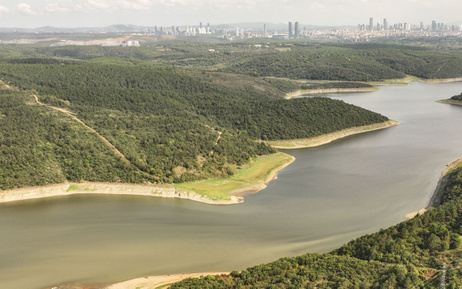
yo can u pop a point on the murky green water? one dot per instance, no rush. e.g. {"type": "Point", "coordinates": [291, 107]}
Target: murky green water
{"type": "Point", "coordinates": [330, 195]}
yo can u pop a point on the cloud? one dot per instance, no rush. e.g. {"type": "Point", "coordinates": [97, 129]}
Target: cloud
{"type": "Point", "coordinates": [55, 8]}
{"type": "Point", "coordinates": [4, 10]}
{"type": "Point", "coordinates": [135, 5]}
{"type": "Point", "coordinates": [92, 5]}
{"type": "Point", "coordinates": [214, 4]}
{"type": "Point", "coordinates": [27, 9]}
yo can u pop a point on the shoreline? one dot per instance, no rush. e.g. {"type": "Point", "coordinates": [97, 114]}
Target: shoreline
{"type": "Point", "coordinates": [161, 281]}
{"type": "Point", "coordinates": [272, 176]}
{"type": "Point", "coordinates": [300, 92]}
{"type": "Point", "coordinates": [401, 81]}
{"type": "Point", "coordinates": [330, 137]}
{"type": "Point", "coordinates": [434, 200]}
{"type": "Point", "coordinates": [156, 190]}
{"type": "Point", "coordinates": [450, 101]}
{"type": "Point", "coordinates": [100, 188]}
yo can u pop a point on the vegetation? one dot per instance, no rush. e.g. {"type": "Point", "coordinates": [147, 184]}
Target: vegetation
{"type": "Point", "coordinates": [457, 97]}
{"type": "Point", "coordinates": [295, 60]}
{"type": "Point", "coordinates": [252, 176]}
{"type": "Point", "coordinates": [337, 85]}
{"type": "Point", "coordinates": [166, 124]}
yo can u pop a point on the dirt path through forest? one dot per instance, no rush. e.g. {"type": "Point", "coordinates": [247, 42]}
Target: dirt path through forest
{"type": "Point", "coordinates": [70, 114]}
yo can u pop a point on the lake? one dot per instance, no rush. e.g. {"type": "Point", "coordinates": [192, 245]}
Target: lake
{"type": "Point", "coordinates": [328, 196]}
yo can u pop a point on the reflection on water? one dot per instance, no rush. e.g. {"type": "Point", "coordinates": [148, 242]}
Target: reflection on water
{"type": "Point", "coordinates": [330, 195]}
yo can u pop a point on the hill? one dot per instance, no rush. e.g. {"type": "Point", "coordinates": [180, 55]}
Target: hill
{"type": "Point", "coordinates": [274, 58]}
{"type": "Point", "coordinates": [162, 124]}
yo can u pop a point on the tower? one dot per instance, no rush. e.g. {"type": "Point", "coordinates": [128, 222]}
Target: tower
{"type": "Point", "coordinates": [385, 24]}
{"type": "Point", "coordinates": [371, 23]}
{"type": "Point", "coordinates": [291, 33]}
{"type": "Point", "coordinates": [265, 31]}
{"type": "Point", "coordinates": [297, 31]}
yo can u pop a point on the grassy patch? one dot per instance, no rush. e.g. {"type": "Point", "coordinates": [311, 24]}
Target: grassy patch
{"type": "Point", "coordinates": [451, 101]}
{"type": "Point", "coordinates": [398, 81]}
{"type": "Point", "coordinates": [251, 177]}
{"type": "Point", "coordinates": [453, 166]}
{"type": "Point", "coordinates": [75, 187]}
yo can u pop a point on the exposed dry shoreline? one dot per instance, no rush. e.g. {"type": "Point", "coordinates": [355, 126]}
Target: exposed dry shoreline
{"type": "Point", "coordinates": [327, 138]}
{"type": "Point", "coordinates": [153, 282]}
{"type": "Point", "coordinates": [434, 200]}
{"type": "Point", "coordinates": [450, 101]}
{"type": "Point", "coordinates": [165, 191]}
{"type": "Point", "coordinates": [327, 90]}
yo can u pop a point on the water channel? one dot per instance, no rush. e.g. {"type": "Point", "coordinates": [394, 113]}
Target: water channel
{"type": "Point", "coordinates": [328, 196]}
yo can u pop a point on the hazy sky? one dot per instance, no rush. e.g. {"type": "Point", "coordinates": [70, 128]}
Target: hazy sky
{"type": "Point", "coordinates": [90, 13]}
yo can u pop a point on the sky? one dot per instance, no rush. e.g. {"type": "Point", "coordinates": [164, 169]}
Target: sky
{"type": "Point", "coordinates": [99, 13]}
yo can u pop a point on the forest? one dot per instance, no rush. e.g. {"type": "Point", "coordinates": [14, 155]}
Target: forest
{"type": "Point", "coordinates": [282, 59]}
{"type": "Point", "coordinates": [169, 124]}
{"type": "Point", "coordinates": [457, 97]}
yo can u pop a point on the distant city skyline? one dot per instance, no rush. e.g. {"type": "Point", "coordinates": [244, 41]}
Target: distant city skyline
{"type": "Point", "coordinates": [97, 13]}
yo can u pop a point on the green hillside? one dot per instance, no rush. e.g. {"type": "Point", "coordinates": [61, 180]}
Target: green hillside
{"type": "Point", "coordinates": [284, 59]}
{"type": "Point", "coordinates": [150, 122]}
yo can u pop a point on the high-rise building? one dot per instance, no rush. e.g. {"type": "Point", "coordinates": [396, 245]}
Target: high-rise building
{"type": "Point", "coordinates": [291, 33]}
{"type": "Point", "coordinates": [433, 25]}
{"type": "Point", "coordinates": [371, 23]}
{"type": "Point", "coordinates": [265, 31]}
{"type": "Point", "coordinates": [297, 31]}
{"type": "Point", "coordinates": [385, 24]}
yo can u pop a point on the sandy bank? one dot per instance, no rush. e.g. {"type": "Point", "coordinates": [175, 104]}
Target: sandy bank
{"type": "Point", "coordinates": [450, 101]}
{"type": "Point", "coordinates": [327, 90]}
{"type": "Point", "coordinates": [233, 195]}
{"type": "Point", "coordinates": [442, 80]}
{"type": "Point", "coordinates": [153, 282]}
{"type": "Point", "coordinates": [435, 199]}
{"type": "Point", "coordinates": [327, 138]}
{"type": "Point", "coordinates": [164, 191]}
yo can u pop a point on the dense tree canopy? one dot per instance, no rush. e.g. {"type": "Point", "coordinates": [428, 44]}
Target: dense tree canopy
{"type": "Point", "coordinates": [171, 124]}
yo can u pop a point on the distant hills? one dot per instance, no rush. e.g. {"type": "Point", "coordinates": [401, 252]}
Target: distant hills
{"type": "Point", "coordinates": [126, 28]}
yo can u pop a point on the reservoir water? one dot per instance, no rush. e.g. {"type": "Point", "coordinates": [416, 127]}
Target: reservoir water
{"type": "Point", "coordinates": [328, 196]}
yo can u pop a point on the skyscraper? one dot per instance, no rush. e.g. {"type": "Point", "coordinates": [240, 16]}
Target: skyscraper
{"type": "Point", "coordinates": [265, 31]}
{"type": "Point", "coordinates": [291, 33]}
{"type": "Point", "coordinates": [385, 24]}
{"type": "Point", "coordinates": [371, 23]}
{"type": "Point", "coordinates": [297, 31]}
